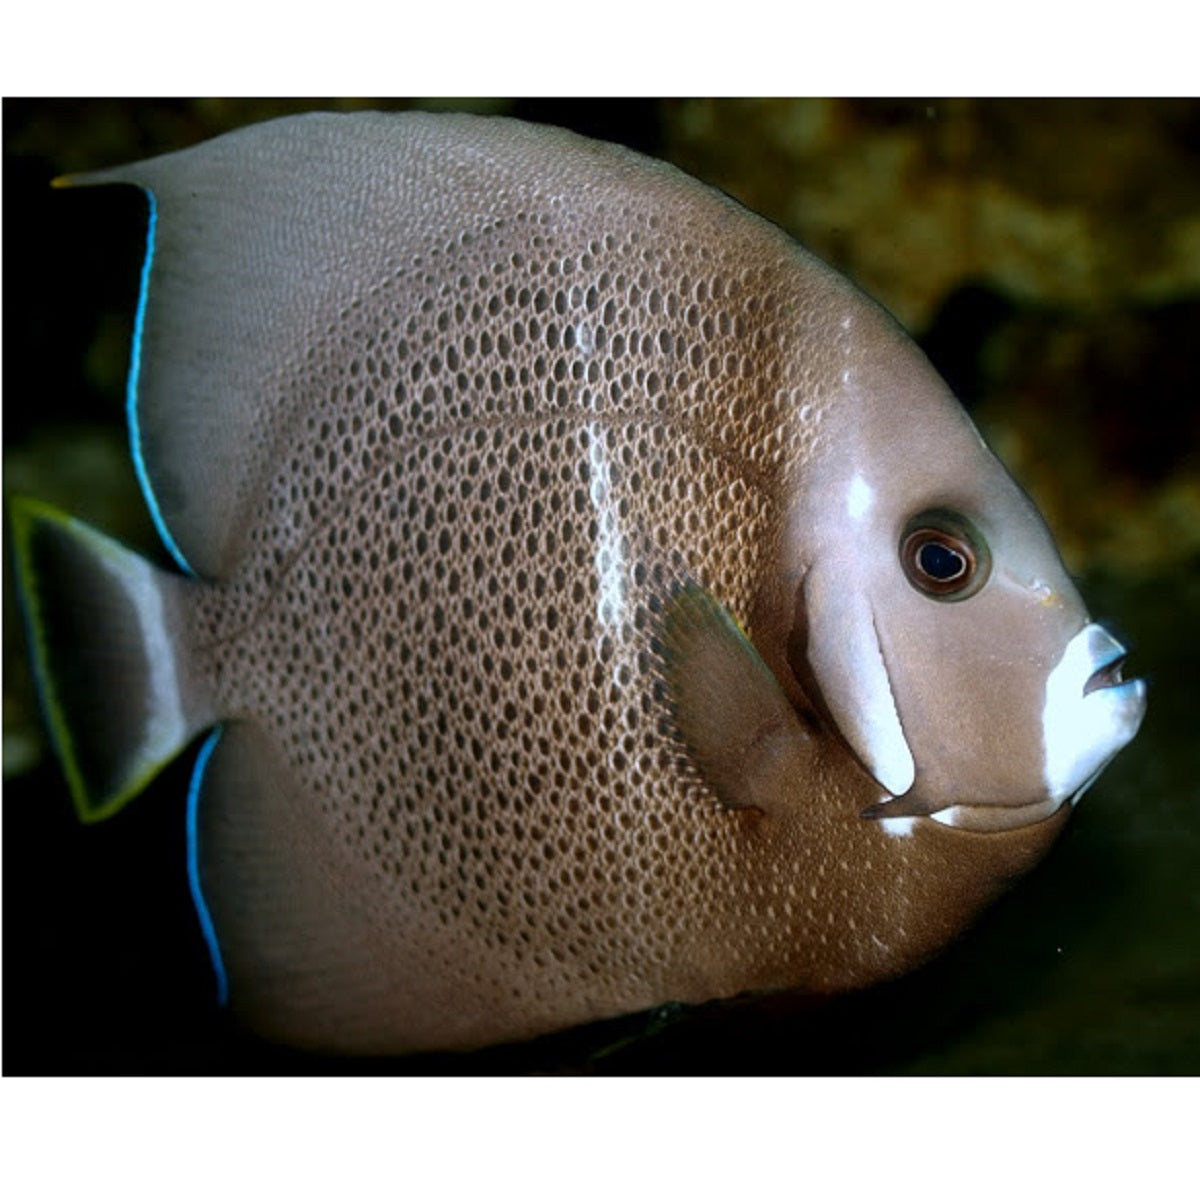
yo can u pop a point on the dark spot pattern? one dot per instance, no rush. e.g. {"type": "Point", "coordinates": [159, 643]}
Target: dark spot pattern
{"type": "Point", "coordinates": [502, 453]}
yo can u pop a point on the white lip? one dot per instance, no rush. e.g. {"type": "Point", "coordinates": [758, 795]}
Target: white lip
{"type": "Point", "coordinates": [1082, 729]}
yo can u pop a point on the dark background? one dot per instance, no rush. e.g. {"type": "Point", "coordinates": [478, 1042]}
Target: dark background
{"type": "Point", "coordinates": [1047, 256]}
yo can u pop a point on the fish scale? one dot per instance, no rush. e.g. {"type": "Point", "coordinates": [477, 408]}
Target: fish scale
{"type": "Point", "coordinates": [499, 645]}
{"type": "Point", "coordinates": [547, 512]}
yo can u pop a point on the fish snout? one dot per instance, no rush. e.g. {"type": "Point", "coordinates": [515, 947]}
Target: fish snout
{"type": "Point", "coordinates": [1091, 711]}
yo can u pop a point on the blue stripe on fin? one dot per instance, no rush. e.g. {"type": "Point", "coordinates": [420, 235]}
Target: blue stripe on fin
{"type": "Point", "coordinates": [131, 390]}
{"type": "Point", "coordinates": [193, 857]}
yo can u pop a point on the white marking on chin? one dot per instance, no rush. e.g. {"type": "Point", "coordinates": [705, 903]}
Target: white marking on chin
{"type": "Point", "coordinates": [897, 826]}
{"type": "Point", "coordinates": [859, 498]}
{"type": "Point", "coordinates": [991, 818]}
{"type": "Point", "coordinates": [1082, 733]}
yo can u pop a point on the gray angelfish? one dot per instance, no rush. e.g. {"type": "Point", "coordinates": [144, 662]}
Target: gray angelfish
{"type": "Point", "coordinates": [592, 599]}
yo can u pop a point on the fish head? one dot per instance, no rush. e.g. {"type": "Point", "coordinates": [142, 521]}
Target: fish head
{"type": "Point", "coordinates": [935, 621]}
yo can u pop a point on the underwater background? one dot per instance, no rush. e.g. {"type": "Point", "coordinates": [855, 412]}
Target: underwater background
{"type": "Point", "coordinates": [1045, 254]}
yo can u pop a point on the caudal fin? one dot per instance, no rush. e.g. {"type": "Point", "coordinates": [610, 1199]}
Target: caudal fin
{"type": "Point", "coordinates": [117, 688]}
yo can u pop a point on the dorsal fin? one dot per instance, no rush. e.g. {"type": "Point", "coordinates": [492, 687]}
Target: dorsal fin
{"type": "Point", "coordinates": [259, 239]}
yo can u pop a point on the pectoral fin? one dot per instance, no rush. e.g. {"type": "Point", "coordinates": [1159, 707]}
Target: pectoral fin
{"type": "Point", "coordinates": [729, 709]}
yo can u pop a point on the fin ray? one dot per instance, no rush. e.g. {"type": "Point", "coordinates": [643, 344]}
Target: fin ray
{"type": "Point", "coordinates": [729, 708]}
{"type": "Point", "coordinates": [203, 912]}
{"type": "Point", "coordinates": [131, 394]}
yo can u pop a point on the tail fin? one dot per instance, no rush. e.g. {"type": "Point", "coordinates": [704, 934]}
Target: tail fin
{"type": "Point", "coordinates": [117, 689]}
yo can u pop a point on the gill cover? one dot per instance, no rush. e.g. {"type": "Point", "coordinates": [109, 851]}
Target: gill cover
{"type": "Point", "coordinates": [846, 656]}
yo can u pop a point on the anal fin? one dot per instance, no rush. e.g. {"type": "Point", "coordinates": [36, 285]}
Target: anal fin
{"type": "Point", "coordinates": [285, 906]}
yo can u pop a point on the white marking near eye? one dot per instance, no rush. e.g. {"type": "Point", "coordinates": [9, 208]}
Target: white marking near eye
{"type": "Point", "coordinates": [859, 498]}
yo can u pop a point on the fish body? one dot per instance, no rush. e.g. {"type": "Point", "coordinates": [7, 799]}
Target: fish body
{"type": "Point", "coordinates": [587, 598]}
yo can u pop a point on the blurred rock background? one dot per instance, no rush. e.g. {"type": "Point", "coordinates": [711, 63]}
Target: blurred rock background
{"type": "Point", "coordinates": [1045, 253]}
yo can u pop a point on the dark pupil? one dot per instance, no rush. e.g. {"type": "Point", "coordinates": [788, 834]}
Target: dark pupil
{"type": "Point", "coordinates": [940, 562]}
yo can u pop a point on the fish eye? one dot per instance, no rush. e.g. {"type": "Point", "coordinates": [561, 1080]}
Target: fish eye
{"type": "Point", "coordinates": [944, 556]}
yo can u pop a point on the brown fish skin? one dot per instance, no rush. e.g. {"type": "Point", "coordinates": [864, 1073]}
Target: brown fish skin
{"type": "Point", "coordinates": [478, 448]}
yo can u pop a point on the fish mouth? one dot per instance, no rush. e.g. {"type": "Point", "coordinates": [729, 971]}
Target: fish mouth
{"type": "Point", "coordinates": [1091, 711]}
{"type": "Point", "coordinates": [1109, 674]}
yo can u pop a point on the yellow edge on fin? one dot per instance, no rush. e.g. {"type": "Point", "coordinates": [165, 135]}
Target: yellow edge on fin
{"type": "Point", "coordinates": [24, 512]}
{"type": "Point", "coordinates": [695, 606]}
